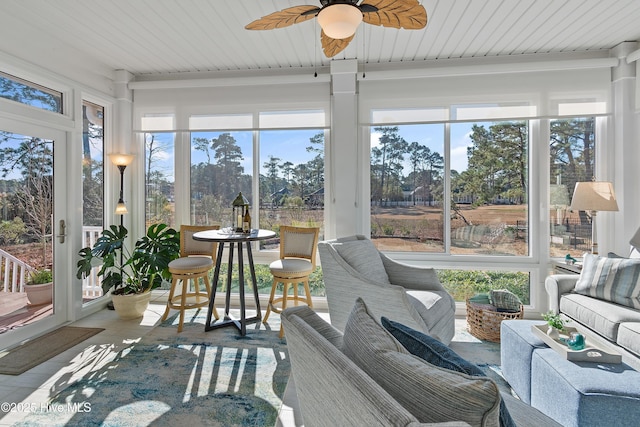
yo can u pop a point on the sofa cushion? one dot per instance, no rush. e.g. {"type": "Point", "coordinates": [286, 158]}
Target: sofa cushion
{"type": "Point", "coordinates": [601, 316]}
{"type": "Point", "coordinates": [430, 393]}
{"type": "Point", "coordinates": [629, 336]}
{"type": "Point", "coordinates": [364, 257]}
{"type": "Point", "coordinates": [433, 351]}
{"type": "Point", "coordinates": [611, 279]}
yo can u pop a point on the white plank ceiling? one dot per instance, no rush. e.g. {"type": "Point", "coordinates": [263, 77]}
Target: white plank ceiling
{"type": "Point", "coordinates": [164, 38]}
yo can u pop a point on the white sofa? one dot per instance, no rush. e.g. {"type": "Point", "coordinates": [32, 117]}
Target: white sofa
{"type": "Point", "coordinates": [619, 324]}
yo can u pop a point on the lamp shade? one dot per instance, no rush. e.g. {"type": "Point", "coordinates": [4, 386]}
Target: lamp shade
{"type": "Point", "coordinates": [121, 208]}
{"type": "Point", "coordinates": [119, 159]}
{"type": "Point", "coordinates": [594, 196]}
{"type": "Point", "coordinates": [339, 20]}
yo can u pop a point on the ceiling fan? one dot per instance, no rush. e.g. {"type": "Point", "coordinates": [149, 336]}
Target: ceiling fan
{"type": "Point", "coordinates": [339, 19]}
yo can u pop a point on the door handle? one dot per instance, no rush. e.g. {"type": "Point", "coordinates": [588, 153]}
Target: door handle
{"type": "Point", "coordinates": [63, 231]}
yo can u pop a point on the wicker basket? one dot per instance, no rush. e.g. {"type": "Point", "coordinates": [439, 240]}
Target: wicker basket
{"type": "Point", "coordinates": [484, 321]}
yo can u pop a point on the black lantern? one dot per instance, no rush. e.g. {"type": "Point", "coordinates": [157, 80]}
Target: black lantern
{"type": "Point", "coordinates": [240, 205]}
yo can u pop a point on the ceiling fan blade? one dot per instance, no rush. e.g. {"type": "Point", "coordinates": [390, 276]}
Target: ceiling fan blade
{"type": "Point", "coordinates": [284, 18]}
{"type": "Point", "coordinates": [407, 14]}
{"type": "Point", "coordinates": [332, 47]}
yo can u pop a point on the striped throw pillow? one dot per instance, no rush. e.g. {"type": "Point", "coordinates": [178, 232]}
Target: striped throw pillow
{"type": "Point", "coordinates": [432, 394]}
{"type": "Point", "coordinates": [611, 279]}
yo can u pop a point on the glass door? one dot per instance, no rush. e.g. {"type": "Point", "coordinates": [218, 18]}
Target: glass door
{"type": "Point", "coordinates": [34, 277]}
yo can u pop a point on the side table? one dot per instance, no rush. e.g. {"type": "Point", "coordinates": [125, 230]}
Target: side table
{"type": "Point", "coordinates": [231, 239]}
{"type": "Point", "coordinates": [561, 267]}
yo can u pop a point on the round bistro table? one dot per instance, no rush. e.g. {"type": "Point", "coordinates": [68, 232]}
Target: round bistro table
{"type": "Point", "coordinates": [238, 240]}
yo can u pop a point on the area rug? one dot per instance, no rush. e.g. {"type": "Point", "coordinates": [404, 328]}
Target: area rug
{"type": "Point", "coordinates": [192, 378]}
{"type": "Point", "coordinates": [25, 356]}
{"type": "Point", "coordinates": [485, 354]}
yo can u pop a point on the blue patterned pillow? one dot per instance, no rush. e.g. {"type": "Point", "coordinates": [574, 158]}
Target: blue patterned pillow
{"type": "Point", "coordinates": [435, 352]}
{"type": "Point", "coordinates": [611, 279]}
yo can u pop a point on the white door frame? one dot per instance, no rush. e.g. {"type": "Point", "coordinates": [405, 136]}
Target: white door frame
{"type": "Point", "coordinates": [63, 280]}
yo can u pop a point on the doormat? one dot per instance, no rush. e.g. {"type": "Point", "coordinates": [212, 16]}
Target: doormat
{"type": "Point", "coordinates": [32, 353]}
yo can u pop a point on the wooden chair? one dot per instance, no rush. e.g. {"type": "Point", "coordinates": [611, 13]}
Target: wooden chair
{"type": "Point", "coordinates": [297, 261]}
{"type": "Point", "coordinates": [195, 262]}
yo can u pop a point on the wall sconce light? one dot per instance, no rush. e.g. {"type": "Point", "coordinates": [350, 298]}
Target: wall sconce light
{"type": "Point", "coordinates": [594, 196]}
{"type": "Point", "coordinates": [121, 161]}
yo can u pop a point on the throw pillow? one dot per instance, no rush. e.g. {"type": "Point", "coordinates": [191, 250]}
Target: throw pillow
{"type": "Point", "coordinates": [438, 354]}
{"type": "Point", "coordinates": [430, 393]}
{"type": "Point", "coordinates": [503, 299]}
{"type": "Point", "coordinates": [364, 257]}
{"type": "Point", "coordinates": [611, 279]}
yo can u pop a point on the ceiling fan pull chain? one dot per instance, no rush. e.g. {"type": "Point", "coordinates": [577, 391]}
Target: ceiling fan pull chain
{"type": "Point", "coordinates": [364, 56]}
{"type": "Point", "coordinates": [315, 49]}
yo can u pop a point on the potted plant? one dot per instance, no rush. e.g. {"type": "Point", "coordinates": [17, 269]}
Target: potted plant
{"type": "Point", "coordinates": [39, 287]}
{"type": "Point", "coordinates": [130, 275]}
{"type": "Point", "coordinates": [555, 322]}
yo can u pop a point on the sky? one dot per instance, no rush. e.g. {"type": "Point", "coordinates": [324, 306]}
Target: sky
{"type": "Point", "coordinates": [290, 145]}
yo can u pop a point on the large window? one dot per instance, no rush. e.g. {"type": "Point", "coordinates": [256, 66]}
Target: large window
{"type": "Point", "coordinates": [489, 188]}
{"type": "Point", "coordinates": [487, 202]}
{"type": "Point", "coordinates": [572, 159]}
{"type": "Point", "coordinates": [292, 178]}
{"type": "Point", "coordinates": [92, 188]}
{"type": "Point", "coordinates": [220, 169]}
{"type": "Point", "coordinates": [275, 159]}
{"type": "Point", "coordinates": [92, 165]}
{"type": "Point", "coordinates": [160, 178]}
{"type": "Point", "coordinates": [407, 182]}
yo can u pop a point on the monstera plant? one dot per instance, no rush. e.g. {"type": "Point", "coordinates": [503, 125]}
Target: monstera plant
{"type": "Point", "coordinates": [131, 272]}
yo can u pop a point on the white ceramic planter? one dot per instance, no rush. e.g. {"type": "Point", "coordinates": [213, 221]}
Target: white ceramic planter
{"type": "Point", "coordinates": [39, 294]}
{"type": "Point", "coordinates": [131, 306]}
{"type": "Point", "coordinates": [553, 333]}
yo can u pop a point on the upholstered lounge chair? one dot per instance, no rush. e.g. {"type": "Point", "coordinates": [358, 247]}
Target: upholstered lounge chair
{"type": "Point", "coordinates": [352, 267]}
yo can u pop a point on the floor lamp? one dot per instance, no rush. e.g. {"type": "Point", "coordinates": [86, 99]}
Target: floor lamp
{"type": "Point", "coordinates": [594, 196]}
{"type": "Point", "coordinates": [121, 161]}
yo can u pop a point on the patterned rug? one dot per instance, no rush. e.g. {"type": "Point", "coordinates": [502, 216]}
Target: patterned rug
{"type": "Point", "coordinates": [485, 354]}
{"type": "Point", "coordinates": [193, 378]}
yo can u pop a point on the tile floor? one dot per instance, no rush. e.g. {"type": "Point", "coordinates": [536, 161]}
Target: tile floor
{"type": "Point", "coordinates": [35, 386]}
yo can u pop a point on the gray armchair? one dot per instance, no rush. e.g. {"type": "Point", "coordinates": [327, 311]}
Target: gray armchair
{"type": "Point", "coordinates": [352, 267]}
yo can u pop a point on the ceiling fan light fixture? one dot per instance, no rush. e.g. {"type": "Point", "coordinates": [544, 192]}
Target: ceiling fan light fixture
{"type": "Point", "coordinates": [339, 20]}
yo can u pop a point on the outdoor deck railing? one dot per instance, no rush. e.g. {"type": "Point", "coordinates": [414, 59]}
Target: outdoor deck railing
{"type": "Point", "coordinates": [15, 272]}
{"type": "Point", "coordinates": [92, 284]}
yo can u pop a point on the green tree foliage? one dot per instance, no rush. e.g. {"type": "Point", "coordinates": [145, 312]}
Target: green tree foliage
{"type": "Point", "coordinates": [571, 150]}
{"type": "Point", "coordinates": [33, 193]}
{"type": "Point", "coordinates": [28, 93]}
{"type": "Point", "coordinates": [12, 232]}
{"type": "Point", "coordinates": [272, 167]}
{"type": "Point", "coordinates": [387, 165]}
{"type": "Point", "coordinates": [498, 160]}
{"type": "Point", "coordinates": [388, 179]}
{"type": "Point", "coordinates": [92, 172]}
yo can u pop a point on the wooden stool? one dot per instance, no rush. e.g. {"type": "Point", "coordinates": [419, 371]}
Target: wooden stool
{"type": "Point", "coordinates": [195, 262]}
{"type": "Point", "coordinates": [297, 262]}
